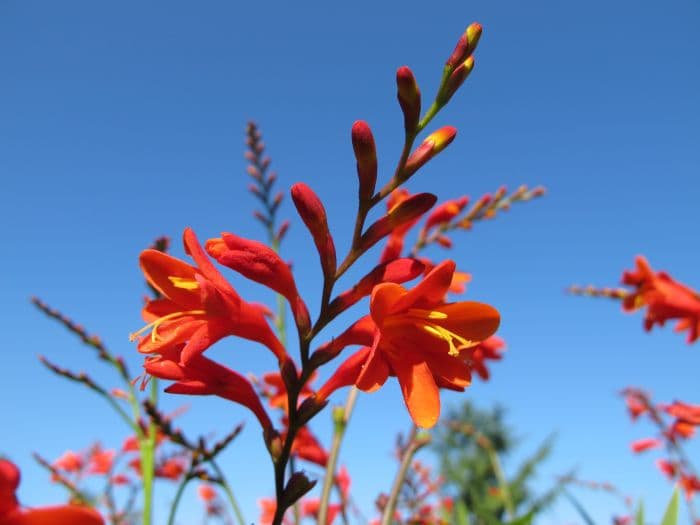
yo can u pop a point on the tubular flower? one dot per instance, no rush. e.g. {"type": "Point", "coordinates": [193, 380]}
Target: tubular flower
{"type": "Point", "coordinates": [395, 241]}
{"type": "Point", "coordinates": [664, 298]}
{"type": "Point", "coordinates": [202, 376]}
{"type": "Point", "coordinates": [198, 307]}
{"type": "Point", "coordinates": [645, 444]}
{"type": "Point", "coordinates": [420, 339]}
{"type": "Point", "coordinates": [488, 349]}
{"type": "Point", "coordinates": [12, 514]}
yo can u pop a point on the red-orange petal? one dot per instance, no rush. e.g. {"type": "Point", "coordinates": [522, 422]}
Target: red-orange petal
{"type": "Point", "coordinates": [419, 390]}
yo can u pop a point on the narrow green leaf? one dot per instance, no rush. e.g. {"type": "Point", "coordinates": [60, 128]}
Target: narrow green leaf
{"type": "Point", "coordinates": [579, 508]}
{"type": "Point", "coordinates": [639, 515]}
{"type": "Point", "coordinates": [671, 514]}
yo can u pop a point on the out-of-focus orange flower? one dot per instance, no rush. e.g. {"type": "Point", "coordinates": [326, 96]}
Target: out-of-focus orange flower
{"type": "Point", "coordinates": [206, 493]}
{"type": "Point", "coordinates": [268, 506]}
{"type": "Point", "coordinates": [307, 447]}
{"type": "Point", "coordinates": [12, 514]}
{"type": "Point", "coordinates": [198, 307]}
{"type": "Point", "coordinates": [69, 462]}
{"type": "Point", "coordinates": [100, 461]}
{"type": "Point", "coordinates": [311, 507]}
{"type": "Point", "coordinates": [276, 391]}
{"type": "Point", "coordinates": [690, 485]}
{"type": "Point", "coordinates": [664, 298]}
{"type": "Point", "coordinates": [637, 402]}
{"type": "Point", "coordinates": [488, 349]}
{"type": "Point", "coordinates": [684, 411]}
{"type": "Point", "coordinates": [443, 214]}
{"type": "Point", "coordinates": [669, 468]}
{"type": "Point", "coordinates": [342, 480]}
{"type": "Point", "coordinates": [172, 469]}
{"type": "Point", "coordinates": [420, 339]}
{"type": "Point", "coordinates": [642, 445]}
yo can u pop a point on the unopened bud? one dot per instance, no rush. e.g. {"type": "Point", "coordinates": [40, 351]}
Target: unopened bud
{"type": "Point", "coordinates": [455, 80]}
{"type": "Point", "coordinates": [313, 214]}
{"type": "Point", "coordinates": [409, 98]}
{"type": "Point", "coordinates": [431, 146]}
{"type": "Point", "coordinates": [309, 408]}
{"type": "Point", "coordinates": [465, 46]}
{"type": "Point", "coordinates": [405, 211]}
{"type": "Point", "coordinates": [298, 485]}
{"type": "Point", "coordinates": [366, 156]}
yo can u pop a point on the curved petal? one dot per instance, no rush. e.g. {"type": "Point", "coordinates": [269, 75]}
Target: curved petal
{"type": "Point", "coordinates": [384, 298]}
{"type": "Point", "coordinates": [471, 320]}
{"type": "Point", "coordinates": [173, 278]}
{"type": "Point", "coordinates": [431, 290]}
{"type": "Point", "coordinates": [195, 250]}
{"type": "Point", "coordinates": [450, 370]}
{"type": "Point", "coordinates": [420, 393]}
{"type": "Point", "coordinates": [346, 374]}
{"type": "Point", "coordinates": [57, 515]}
{"type": "Point", "coordinates": [375, 371]}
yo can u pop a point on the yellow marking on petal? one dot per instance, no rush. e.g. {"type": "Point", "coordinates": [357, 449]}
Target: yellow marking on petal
{"type": "Point", "coordinates": [425, 314]}
{"type": "Point", "coordinates": [182, 282]}
{"type": "Point", "coordinates": [155, 324]}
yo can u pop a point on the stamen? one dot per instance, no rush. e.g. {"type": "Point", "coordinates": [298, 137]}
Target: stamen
{"type": "Point", "coordinates": [155, 324]}
{"type": "Point", "coordinates": [450, 337]}
{"type": "Point", "coordinates": [426, 314]}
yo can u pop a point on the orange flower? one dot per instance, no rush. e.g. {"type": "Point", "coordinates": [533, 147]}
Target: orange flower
{"type": "Point", "coordinates": [199, 306]}
{"type": "Point", "coordinates": [206, 493]}
{"type": "Point", "coordinates": [202, 376]}
{"type": "Point", "coordinates": [420, 339]}
{"type": "Point", "coordinates": [12, 514]}
{"type": "Point", "coordinates": [490, 348]}
{"type": "Point", "coordinates": [642, 445]}
{"type": "Point", "coordinates": [664, 298]}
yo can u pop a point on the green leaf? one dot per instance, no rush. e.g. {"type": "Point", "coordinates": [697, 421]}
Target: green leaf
{"type": "Point", "coordinates": [462, 513]}
{"type": "Point", "coordinates": [579, 508]}
{"type": "Point", "coordinates": [671, 514]}
{"type": "Point", "coordinates": [639, 515]}
{"type": "Point", "coordinates": [523, 520]}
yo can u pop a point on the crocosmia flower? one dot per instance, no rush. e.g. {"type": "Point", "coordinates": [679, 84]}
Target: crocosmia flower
{"type": "Point", "coordinates": [664, 298]}
{"type": "Point", "coordinates": [198, 308]}
{"type": "Point", "coordinates": [421, 340]}
{"type": "Point", "coordinates": [12, 514]}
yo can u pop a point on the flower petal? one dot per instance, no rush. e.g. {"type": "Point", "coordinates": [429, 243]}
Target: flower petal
{"type": "Point", "coordinates": [418, 387]}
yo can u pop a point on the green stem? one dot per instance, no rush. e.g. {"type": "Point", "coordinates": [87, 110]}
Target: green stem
{"type": "Point", "coordinates": [415, 443]}
{"type": "Point", "coordinates": [229, 493]}
{"type": "Point", "coordinates": [502, 482]}
{"type": "Point", "coordinates": [341, 423]}
{"type": "Point", "coordinates": [147, 445]}
{"type": "Point", "coordinates": [176, 501]}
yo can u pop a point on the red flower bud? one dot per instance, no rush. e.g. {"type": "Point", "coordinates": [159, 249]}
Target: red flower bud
{"type": "Point", "coordinates": [405, 211]}
{"type": "Point", "coordinates": [465, 46]}
{"type": "Point", "coordinates": [455, 80]}
{"type": "Point", "coordinates": [431, 146]}
{"type": "Point", "coordinates": [397, 271]}
{"type": "Point", "coordinates": [409, 98]}
{"type": "Point", "coordinates": [366, 155]}
{"type": "Point", "coordinates": [313, 214]}
{"type": "Point", "coordinates": [260, 263]}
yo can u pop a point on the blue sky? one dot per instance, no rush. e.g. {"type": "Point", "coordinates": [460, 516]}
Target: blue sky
{"type": "Point", "coordinates": [123, 122]}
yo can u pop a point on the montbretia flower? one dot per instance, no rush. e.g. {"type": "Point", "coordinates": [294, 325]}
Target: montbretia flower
{"type": "Point", "coordinates": [203, 376]}
{"type": "Point", "coordinates": [664, 298]}
{"type": "Point", "coordinates": [12, 514]}
{"type": "Point", "coordinates": [198, 308]}
{"type": "Point", "coordinates": [642, 445]}
{"type": "Point", "coordinates": [420, 339]}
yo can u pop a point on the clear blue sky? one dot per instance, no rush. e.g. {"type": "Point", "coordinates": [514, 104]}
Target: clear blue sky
{"type": "Point", "coordinates": [123, 122]}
